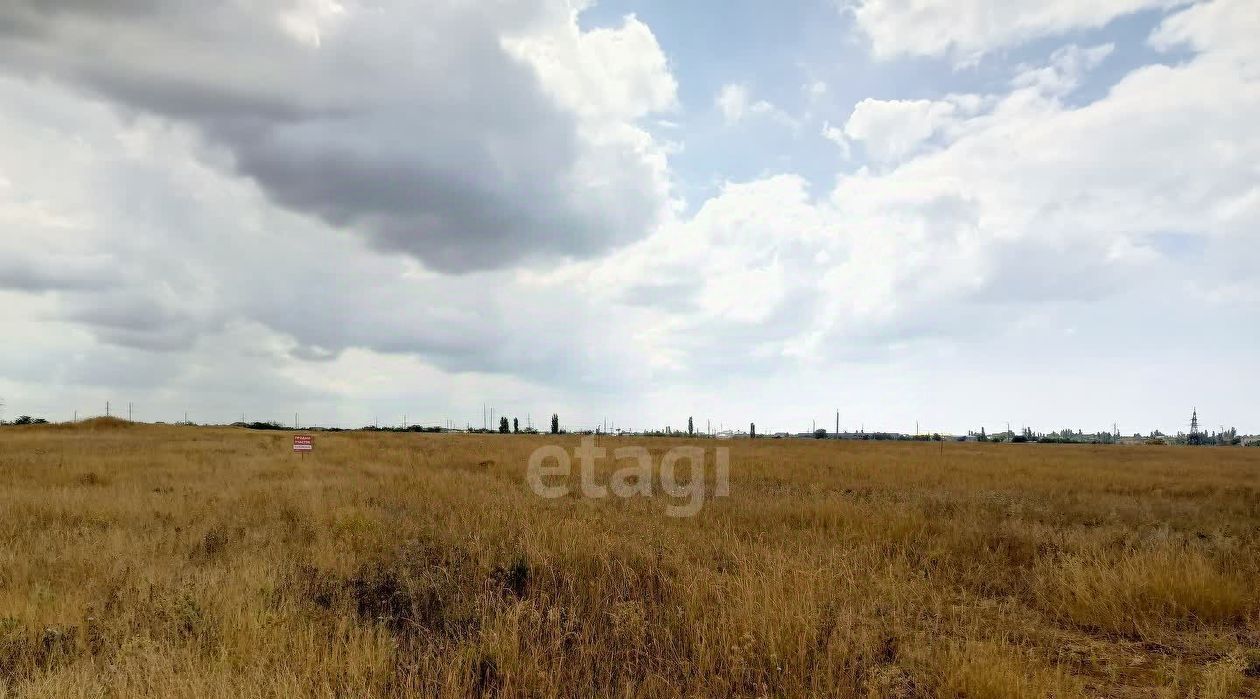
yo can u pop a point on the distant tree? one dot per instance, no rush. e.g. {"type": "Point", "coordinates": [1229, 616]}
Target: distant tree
{"type": "Point", "coordinates": [555, 423]}
{"type": "Point", "coordinates": [752, 430]}
{"type": "Point", "coordinates": [503, 426]}
{"type": "Point", "coordinates": [1229, 436]}
{"type": "Point", "coordinates": [516, 426]}
{"type": "Point", "coordinates": [820, 433]}
{"type": "Point", "coordinates": [691, 430]}
{"type": "Point", "coordinates": [24, 420]}
{"type": "Point", "coordinates": [936, 437]}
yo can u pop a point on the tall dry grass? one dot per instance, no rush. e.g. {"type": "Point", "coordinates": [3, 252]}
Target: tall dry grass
{"type": "Point", "coordinates": [176, 561]}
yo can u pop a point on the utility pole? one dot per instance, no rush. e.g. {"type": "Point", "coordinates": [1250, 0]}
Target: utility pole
{"type": "Point", "coordinates": [129, 413]}
{"type": "Point", "coordinates": [295, 421]}
{"type": "Point", "coordinates": [837, 424]}
{"type": "Point", "coordinates": [106, 408]}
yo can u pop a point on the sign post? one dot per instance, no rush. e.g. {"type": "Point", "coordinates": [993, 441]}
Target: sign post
{"type": "Point", "coordinates": [303, 443]}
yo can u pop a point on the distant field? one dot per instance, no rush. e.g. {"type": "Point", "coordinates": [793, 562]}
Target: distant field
{"type": "Point", "coordinates": [150, 561]}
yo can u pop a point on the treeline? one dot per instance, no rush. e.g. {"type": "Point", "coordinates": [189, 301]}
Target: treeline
{"type": "Point", "coordinates": [26, 420]}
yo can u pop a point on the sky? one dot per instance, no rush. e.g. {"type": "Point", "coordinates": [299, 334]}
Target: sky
{"type": "Point", "coordinates": [953, 214]}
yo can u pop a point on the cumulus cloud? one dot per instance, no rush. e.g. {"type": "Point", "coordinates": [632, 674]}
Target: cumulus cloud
{"type": "Point", "coordinates": [155, 258]}
{"type": "Point", "coordinates": [417, 127]}
{"type": "Point", "coordinates": [175, 224]}
{"type": "Point", "coordinates": [892, 129]}
{"type": "Point", "coordinates": [966, 30]}
{"type": "Point", "coordinates": [1023, 205]}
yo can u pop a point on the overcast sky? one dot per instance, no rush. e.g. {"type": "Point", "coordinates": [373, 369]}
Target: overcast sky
{"type": "Point", "coordinates": [959, 213]}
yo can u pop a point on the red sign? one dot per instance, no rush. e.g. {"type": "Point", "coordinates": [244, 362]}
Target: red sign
{"type": "Point", "coordinates": [303, 442]}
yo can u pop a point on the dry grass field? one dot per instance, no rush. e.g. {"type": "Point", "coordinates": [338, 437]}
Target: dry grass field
{"type": "Point", "coordinates": [151, 561]}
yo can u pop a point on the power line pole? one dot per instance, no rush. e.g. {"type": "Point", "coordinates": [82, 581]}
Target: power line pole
{"type": "Point", "coordinates": [106, 408]}
{"type": "Point", "coordinates": [129, 413]}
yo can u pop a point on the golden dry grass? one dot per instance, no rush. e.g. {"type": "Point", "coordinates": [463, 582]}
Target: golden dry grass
{"type": "Point", "coordinates": [176, 561]}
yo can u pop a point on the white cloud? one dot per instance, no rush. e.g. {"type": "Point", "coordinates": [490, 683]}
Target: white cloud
{"type": "Point", "coordinates": [732, 100]}
{"type": "Point", "coordinates": [964, 30]}
{"type": "Point", "coordinates": [1025, 205]}
{"type": "Point", "coordinates": [619, 73]}
{"type": "Point", "coordinates": [307, 20]}
{"type": "Point", "coordinates": [892, 129]}
{"type": "Point", "coordinates": [836, 135]}
{"type": "Point", "coordinates": [1067, 66]}
{"type": "Point", "coordinates": [735, 103]}
{"type": "Point", "coordinates": [1226, 28]}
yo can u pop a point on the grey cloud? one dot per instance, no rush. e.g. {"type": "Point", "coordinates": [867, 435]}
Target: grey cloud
{"type": "Point", "coordinates": [411, 127]}
{"type": "Point", "coordinates": [136, 318]}
{"type": "Point", "coordinates": [40, 275]}
{"type": "Point", "coordinates": [676, 294]}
